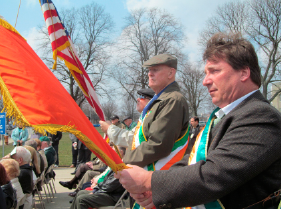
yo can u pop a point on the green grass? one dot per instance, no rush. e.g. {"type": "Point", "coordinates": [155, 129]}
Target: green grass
{"type": "Point", "coordinates": [7, 149]}
{"type": "Point", "coordinates": [65, 154]}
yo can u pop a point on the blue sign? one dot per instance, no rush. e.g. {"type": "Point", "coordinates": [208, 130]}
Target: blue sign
{"type": "Point", "coordinates": [2, 123]}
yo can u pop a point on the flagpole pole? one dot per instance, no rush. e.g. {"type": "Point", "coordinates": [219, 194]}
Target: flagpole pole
{"type": "Point", "coordinates": [2, 143]}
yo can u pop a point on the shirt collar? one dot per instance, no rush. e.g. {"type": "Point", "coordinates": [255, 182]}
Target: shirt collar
{"type": "Point", "coordinates": [225, 110]}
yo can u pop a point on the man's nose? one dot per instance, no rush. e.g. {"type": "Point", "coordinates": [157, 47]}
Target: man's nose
{"type": "Point", "coordinates": [206, 80]}
{"type": "Point", "coordinates": [150, 73]}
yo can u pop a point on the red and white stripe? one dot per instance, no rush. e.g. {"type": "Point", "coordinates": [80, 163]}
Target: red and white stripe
{"type": "Point", "coordinates": [59, 38]}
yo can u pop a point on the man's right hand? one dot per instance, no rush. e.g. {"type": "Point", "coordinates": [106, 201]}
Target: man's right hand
{"type": "Point", "coordinates": [90, 164]}
{"type": "Point", "coordinates": [104, 125]}
{"type": "Point", "coordinates": [94, 181]}
{"type": "Point", "coordinates": [135, 179]}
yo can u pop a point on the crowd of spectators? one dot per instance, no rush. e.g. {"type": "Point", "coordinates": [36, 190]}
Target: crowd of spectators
{"type": "Point", "coordinates": [22, 167]}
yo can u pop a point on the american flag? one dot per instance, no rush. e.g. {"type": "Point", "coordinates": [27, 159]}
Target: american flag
{"type": "Point", "coordinates": [63, 48]}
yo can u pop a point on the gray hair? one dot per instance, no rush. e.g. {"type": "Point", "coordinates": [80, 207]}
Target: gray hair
{"type": "Point", "coordinates": [31, 143]}
{"type": "Point", "coordinates": [24, 154]}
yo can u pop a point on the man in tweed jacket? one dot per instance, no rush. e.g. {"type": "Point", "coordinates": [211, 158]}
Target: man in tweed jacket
{"type": "Point", "coordinates": [243, 162]}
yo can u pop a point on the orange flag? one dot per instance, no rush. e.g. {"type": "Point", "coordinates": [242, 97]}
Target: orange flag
{"type": "Point", "coordinates": [34, 97]}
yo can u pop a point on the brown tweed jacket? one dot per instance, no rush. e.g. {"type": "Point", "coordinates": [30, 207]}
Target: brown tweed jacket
{"type": "Point", "coordinates": [243, 164]}
{"type": "Point", "coordinates": [166, 122]}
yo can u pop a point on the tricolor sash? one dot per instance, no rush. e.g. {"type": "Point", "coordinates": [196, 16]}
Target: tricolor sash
{"type": "Point", "coordinates": [199, 152]}
{"type": "Point", "coordinates": [176, 155]}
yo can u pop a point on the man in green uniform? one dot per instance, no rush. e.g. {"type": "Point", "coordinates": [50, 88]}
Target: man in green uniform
{"type": "Point", "coordinates": [129, 123]}
{"type": "Point", "coordinates": [115, 121]}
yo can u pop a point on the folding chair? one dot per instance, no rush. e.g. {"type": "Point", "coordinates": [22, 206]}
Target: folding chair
{"type": "Point", "coordinates": [120, 202]}
{"type": "Point", "coordinates": [40, 178]}
{"type": "Point", "coordinates": [47, 182]}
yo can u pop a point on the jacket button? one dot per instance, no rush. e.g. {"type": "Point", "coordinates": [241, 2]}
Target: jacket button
{"type": "Point", "coordinates": [169, 205]}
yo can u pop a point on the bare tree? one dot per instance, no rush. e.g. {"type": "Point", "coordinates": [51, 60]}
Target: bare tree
{"type": "Point", "coordinates": [147, 33]}
{"type": "Point", "coordinates": [89, 28]}
{"type": "Point", "coordinates": [129, 109]}
{"type": "Point", "coordinates": [190, 80]}
{"type": "Point", "coordinates": [110, 108]}
{"type": "Point", "coordinates": [260, 22]}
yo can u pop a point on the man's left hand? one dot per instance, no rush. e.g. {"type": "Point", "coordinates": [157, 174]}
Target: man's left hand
{"type": "Point", "coordinates": [135, 180]}
{"type": "Point", "coordinates": [145, 199]}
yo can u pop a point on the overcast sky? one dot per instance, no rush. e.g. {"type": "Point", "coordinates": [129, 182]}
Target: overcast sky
{"type": "Point", "coordinates": [191, 13]}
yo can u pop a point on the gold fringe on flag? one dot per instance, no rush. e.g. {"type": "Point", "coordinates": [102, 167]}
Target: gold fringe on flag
{"type": "Point", "coordinates": [8, 26]}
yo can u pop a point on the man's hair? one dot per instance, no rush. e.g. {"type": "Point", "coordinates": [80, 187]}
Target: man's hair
{"type": "Point", "coordinates": [12, 167]}
{"type": "Point", "coordinates": [196, 119]}
{"type": "Point", "coordinates": [32, 143]}
{"type": "Point", "coordinates": [236, 51]}
{"type": "Point", "coordinates": [24, 154]}
{"type": "Point", "coordinates": [47, 142]}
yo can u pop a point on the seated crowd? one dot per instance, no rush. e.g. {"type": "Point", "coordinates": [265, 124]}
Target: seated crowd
{"type": "Point", "coordinates": [97, 185]}
{"type": "Point", "coordinates": [20, 170]}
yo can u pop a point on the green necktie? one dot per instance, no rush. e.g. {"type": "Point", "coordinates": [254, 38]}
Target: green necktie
{"type": "Point", "coordinates": [217, 120]}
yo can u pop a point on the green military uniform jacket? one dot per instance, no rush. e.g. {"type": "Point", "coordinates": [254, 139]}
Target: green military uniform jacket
{"type": "Point", "coordinates": [166, 122]}
{"type": "Point", "coordinates": [133, 125]}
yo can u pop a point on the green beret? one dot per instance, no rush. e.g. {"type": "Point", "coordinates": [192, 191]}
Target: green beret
{"type": "Point", "coordinates": [44, 138]}
{"type": "Point", "coordinates": [162, 59]}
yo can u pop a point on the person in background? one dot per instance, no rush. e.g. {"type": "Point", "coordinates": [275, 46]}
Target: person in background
{"type": "Point", "coordinates": [84, 154]}
{"type": "Point", "coordinates": [55, 143]}
{"type": "Point", "coordinates": [23, 157]}
{"type": "Point", "coordinates": [106, 192]}
{"type": "Point", "coordinates": [193, 132]}
{"type": "Point", "coordinates": [74, 150]}
{"type": "Point", "coordinates": [32, 143]}
{"type": "Point", "coordinates": [129, 123]}
{"type": "Point", "coordinates": [35, 163]}
{"type": "Point", "coordinates": [6, 185]}
{"type": "Point", "coordinates": [13, 171]}
{"type": "Point", "coordinates": [2, 200]}
{"type": "Point", "coordinates": [49, 150]}
{"type": "Point", "coordinates": [122, 137]}
{"type": "Point", "coordinates": [42, 154]}
{"type": "Point", "coordinates": [19, 136]}
{"type": "Point", "coordinates": [94, 166]}
{"type": "Point", "coordinates": [115, 121]}
{"type": "Point", "coordinates": [87, 177]}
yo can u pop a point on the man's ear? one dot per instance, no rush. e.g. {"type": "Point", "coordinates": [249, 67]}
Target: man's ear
{"type": "Point", "coordinates": [20, 160]}
{"type": "Point", "coordinates": [245, 74]}
{"type": "Point", "coordinates": [172, 73]}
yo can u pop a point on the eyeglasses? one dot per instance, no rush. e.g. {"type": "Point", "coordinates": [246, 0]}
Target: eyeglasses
{"type": "Point", "coordinates": [143, 97]}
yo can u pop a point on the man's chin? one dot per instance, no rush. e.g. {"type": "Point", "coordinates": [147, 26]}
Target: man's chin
{"type": "Point", "coordinates": [215, 102]}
